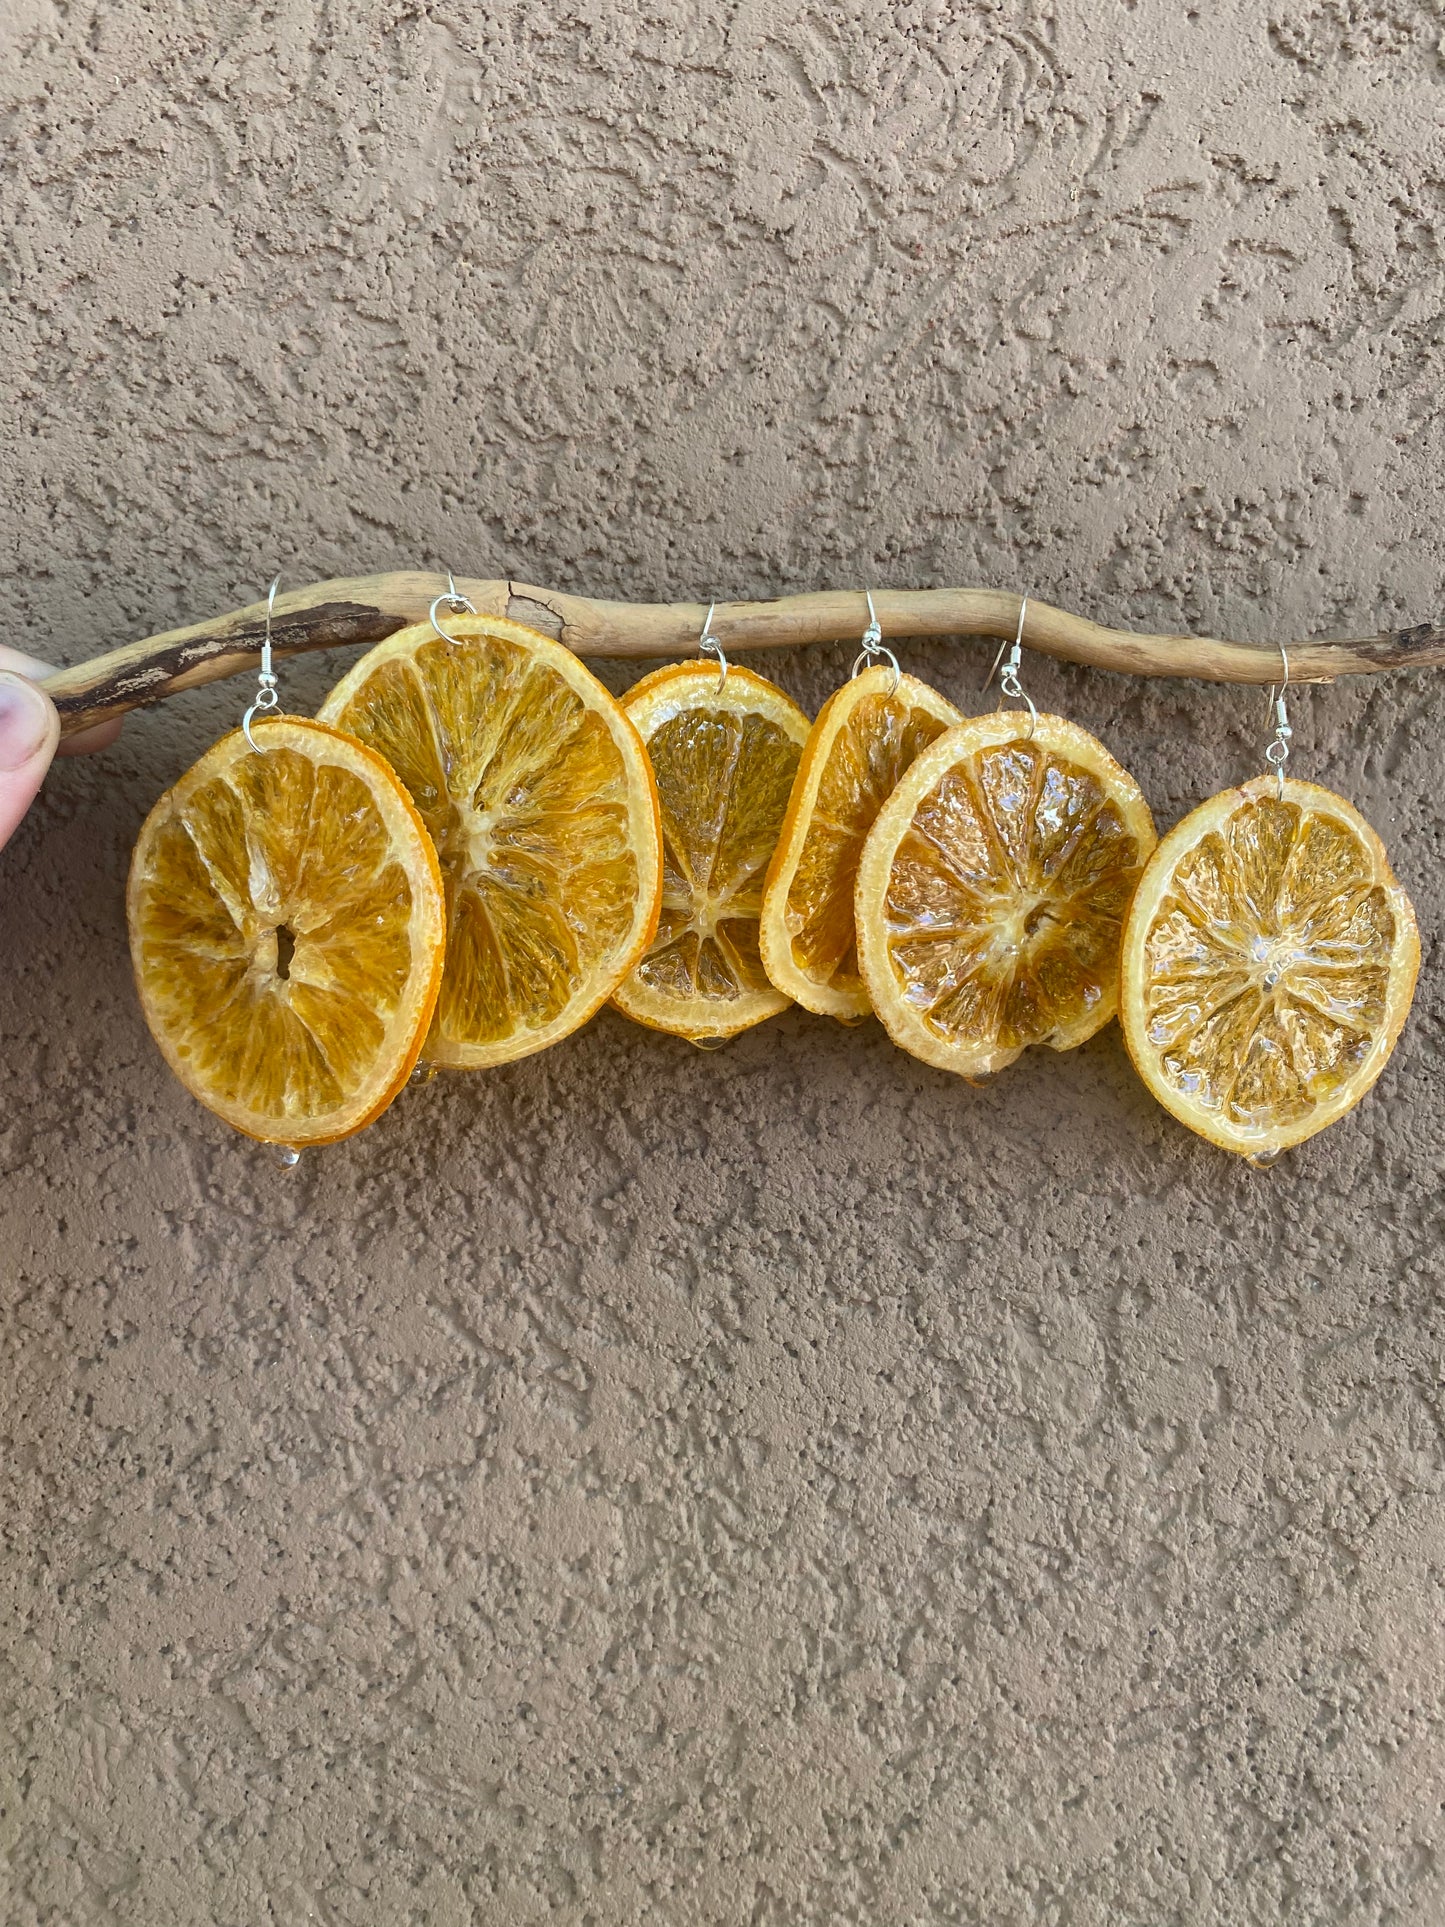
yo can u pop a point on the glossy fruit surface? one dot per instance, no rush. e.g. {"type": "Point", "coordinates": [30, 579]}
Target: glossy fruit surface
{"type": "Point", "coordinates": [537, 793]}
{"type": "Point", "coordinates": [724, 758]}
{"type": "Point", "coordinates": [992, 891]}
{"type": "Point", "coordinates": [865, 736]}
{"type": "Point", "coordinates": [1269, 965]}
{"type": "Point", "coordinates": [286, 929]}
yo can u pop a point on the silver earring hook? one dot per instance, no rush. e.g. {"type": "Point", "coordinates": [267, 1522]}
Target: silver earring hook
{"type": "Point", "coordinates": [874, 647]}
{"type": "Point", "coordinates": [708, 645]}
{"type": "Point", "coordinates": [1277, 750]}
{"type": "Point", "coordinates": [1008, 682]}
{"type": "Point", "coordinates": [266, 692]}
{"type": "Point", "coordinates": [457, 603]}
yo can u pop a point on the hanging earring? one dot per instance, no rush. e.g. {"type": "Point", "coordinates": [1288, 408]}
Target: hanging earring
{"type": "Point", "coordinates": [537, 793]}
{"type": "Point", "coordinates": [993, 886]}
{"type": "Point", "coordinates": [286, 925]}
{"type": "Point", "coordinates": [866, 735]}
{"type": "Point", "coordinates": [1270, 960]}
{"type": "Point", "coordinates": [724, 745]}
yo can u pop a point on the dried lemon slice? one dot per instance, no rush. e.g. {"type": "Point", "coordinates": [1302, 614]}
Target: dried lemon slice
{"type": "Point", "coordinates": [1269, 963]}
{"type": "Point", "coordinates": [724, 759]}
{"type": "Point", "coordinates": [537, 792]}
{"type": "Point", "coordinates": [992, 891]}
{"type": "Point", "coordinates": [865, 736]}
{"type": "Point", "coordinates": [286, 921]}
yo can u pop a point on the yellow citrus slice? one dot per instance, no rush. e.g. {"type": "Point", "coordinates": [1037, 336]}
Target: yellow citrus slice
{"type": "Point", "coordinates": [1268, 966]}
{"type": "Point", "coordinates": [864, 738]}
{"type": "Point", "coordinates": [724, 759]}
{"type": "Point", "coordinates": [286, 927]}
{"type": "Point", "coordinates": [538, 795]}
{"type": "Point", "coordinates": [992, 891]}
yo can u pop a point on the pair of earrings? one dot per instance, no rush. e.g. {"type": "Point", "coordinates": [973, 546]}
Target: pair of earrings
{"type": "Point", "coordinates": [988, 883]}
{"type": "Point", "coordinates": [461, 855]}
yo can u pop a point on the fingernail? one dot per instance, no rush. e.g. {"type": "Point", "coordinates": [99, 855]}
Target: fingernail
{"type": "Point", "coordinates": [24, 720]}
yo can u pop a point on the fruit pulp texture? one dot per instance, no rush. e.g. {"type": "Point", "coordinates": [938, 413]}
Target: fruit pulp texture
{"type": "Point", "coordinates": [1007, 897]}
{"type": "Point", "coordinates": [274, 934]}
{"type": "Point", "coordinates": [1267, 964]}
{"type": "Point", "coordinates": [524, 793]}
{"type": "Point", "coordinates": [879, 741]}
{"type": "Point", "coordinates": [723, 780]}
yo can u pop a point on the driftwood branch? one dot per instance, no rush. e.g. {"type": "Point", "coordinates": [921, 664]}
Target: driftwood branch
{"type": "Point", "coordinates": [364, 609]}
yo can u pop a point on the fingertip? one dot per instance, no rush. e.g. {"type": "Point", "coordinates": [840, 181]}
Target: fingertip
{"type": "Point", "coordinates": [29, 733]}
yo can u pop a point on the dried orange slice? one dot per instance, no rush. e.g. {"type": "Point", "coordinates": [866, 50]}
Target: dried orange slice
{"type": "Point", "coordinates": [1269, 964]}
{"type": "Point", "coordinates": [286, 923]}
{"type": "Point", "coordinates": [538, 795]}
{"type": "Point", "coordinates": [725, 758]}
{"type": "Point", "coordinates": [992, 891]}
{"type": "Point", "coordinates": [863, 739]}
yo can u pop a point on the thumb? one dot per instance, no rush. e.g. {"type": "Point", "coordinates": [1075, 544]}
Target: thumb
{"type": "Point", "coordinates": [29, 732]}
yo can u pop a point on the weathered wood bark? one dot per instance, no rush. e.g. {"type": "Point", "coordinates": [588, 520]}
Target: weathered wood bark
{"type": "Point", "coordinates": [364, 609]}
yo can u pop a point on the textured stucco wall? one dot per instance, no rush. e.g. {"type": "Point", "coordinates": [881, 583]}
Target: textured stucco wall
{"type": "Point", "coordinates": [783, 1485]}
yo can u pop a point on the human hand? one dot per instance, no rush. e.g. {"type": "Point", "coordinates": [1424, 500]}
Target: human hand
{"type": "Point", "coordinates": [30, 736]}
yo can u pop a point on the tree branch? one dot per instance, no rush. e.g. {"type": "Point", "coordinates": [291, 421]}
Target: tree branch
{"type": "Point", "coordinates": [364, 609]}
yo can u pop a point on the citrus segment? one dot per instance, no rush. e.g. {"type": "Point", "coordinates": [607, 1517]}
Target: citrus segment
{"type": "Point", "coordinates": [1269, 963]}
{"type": "Point", "coordinates": [992, 891]}
{"type": "Point", "coordinates": [724, 759]}
{"type": "Point", "coordinates": [538, 795]}
{"type": "Point", "coordinates": [865, 736]}
{"type": "Point", "coordinates": [286, 928]}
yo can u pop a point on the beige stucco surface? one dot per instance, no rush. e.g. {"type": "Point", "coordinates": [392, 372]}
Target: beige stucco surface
{"type": "Point", "coordinates": [782, 1485]}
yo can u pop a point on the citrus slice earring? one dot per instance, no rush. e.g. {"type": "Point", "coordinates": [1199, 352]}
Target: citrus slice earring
{"type": "Point", "coordinates": [286, 927]}
{"type": "Point", "coordinates": [1270, 959]}
{"type": "Point", "coordinates": [537, 793]}
{"type": "Point", "coordinates": [724, 746]}
{"type": "Point", "coordinates": [992, 887]}
{"type": "Point", "coordinates": [865, 736]}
